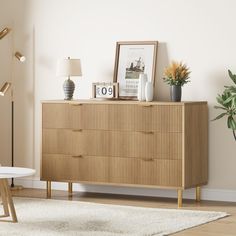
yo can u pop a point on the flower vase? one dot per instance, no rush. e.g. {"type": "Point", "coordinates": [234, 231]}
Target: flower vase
{"type": "Point", "coordinates": [175, 93]}
{"type": "Point", "coordinates": [149, 91]}
{"type": "Point", "coordinates": [141, 87]}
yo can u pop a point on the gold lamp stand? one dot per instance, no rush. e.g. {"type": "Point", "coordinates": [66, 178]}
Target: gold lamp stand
{"type": "Point", "coordinates": [3, 90]}
{"type": "Point", "coordinates": [13, 186]}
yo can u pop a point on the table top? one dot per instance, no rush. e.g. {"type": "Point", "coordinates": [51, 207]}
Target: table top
{"type": "Point", "coordinates": [125, 102]}
{"type": "Point", "coordinates": [15, 172]}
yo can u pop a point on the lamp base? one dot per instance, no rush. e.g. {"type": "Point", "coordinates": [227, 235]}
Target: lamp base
{"type": "Point", "coordinates": [68, 88]}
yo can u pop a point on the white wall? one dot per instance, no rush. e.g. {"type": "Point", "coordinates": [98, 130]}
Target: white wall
{"type": "Point", "coordinates": [201, 33]}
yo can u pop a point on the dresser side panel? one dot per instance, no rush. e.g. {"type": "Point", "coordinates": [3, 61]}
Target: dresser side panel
{"type": "Point", "coordinates": [195, 145]}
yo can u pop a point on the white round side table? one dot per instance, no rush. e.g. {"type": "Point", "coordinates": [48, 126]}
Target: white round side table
{"type": "Point", "coordinates": [7, 173]}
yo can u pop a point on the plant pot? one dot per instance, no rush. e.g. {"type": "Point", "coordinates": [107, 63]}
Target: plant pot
{"type": "Point", "coordinates": [175, 93]}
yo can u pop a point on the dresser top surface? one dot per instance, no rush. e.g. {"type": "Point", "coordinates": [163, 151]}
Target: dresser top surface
{"type": "Point", "coordinates": [99, 101]}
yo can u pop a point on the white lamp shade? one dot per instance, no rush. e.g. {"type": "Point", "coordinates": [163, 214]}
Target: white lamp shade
{"type": "Point", "coordinates": [69, 67]}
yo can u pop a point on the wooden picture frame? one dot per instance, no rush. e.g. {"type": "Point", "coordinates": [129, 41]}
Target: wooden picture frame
{"type": "Point", "coordinates": [133, 58]}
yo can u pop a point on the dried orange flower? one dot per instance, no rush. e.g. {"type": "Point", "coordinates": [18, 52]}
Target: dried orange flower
{"type": "Point", "coordinates": [176, 74]}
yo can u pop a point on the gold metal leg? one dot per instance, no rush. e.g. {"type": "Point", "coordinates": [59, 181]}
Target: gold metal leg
{"type": "Point", "coordinates": [49, 189]}
{"type": "Point", "coordinates": [198, 193]}
{"type": "Point", "coordinates": [70, 188]}
{"type": "Point", "coordinates": [180, 196]}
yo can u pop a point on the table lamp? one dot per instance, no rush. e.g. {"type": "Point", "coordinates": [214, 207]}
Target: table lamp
{"type": "Point", "coordinates": [67, 68]}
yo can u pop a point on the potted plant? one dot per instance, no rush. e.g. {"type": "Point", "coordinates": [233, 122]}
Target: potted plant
{"type": "Point", "coordinates": [227, 101]}
{"type": "Point", "coordinates": [176, 75]}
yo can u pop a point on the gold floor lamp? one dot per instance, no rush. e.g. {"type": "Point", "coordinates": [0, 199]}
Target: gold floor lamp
{"type": "Point", "coordinates": [3, 91]}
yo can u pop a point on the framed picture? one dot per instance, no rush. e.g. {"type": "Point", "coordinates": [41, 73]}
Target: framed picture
{"type": "Point", "coordinates": [132, 59]}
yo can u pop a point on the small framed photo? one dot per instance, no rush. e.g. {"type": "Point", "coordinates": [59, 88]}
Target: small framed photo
{"type": "Point", "coordinates": [132, 59]}
{"type": "Point", "coordinates": [104, 90]}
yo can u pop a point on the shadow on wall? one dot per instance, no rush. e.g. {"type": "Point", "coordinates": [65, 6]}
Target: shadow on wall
{"type": "Point", "coordinates": [215, 82]}
{"type": "Point", "coordinates": [5, 102]}
{"type": "Point", "coordinates": [161, 90]}
{"type": "Point", "coordinates": [24, 85]}
{"type": "Point", "coordinates": [21, 76]}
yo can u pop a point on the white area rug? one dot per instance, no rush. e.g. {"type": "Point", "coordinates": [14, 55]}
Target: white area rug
{"type": "Point", "coordinates": [55, 217]}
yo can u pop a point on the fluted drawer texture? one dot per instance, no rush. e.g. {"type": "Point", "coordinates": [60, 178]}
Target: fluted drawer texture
{"type": "Point", "coordinates": [74, 168]}
{"type": "Point", "coordinates": [146, 172]}
{"type": "Point", "coordinates": [117, 170]}
{"type": "Point", "coordinates": [56, 115]}
{"type": "Point", "coordinates": [127, 117]}
{"type": "Point", "coordinates": [125, 142]}
{"type": "Point", "coordinates": [113, 117]}
{"type": "Point", "coordinates": [113, 143]}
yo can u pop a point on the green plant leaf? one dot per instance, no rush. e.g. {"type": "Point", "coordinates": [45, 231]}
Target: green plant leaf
{"type": "Point", "coordinates": [220, 100]}
{"type": "Point", "coordinates": [234, 102]}
{"type": "Point", "coordinates": [231, 123]}
{"type": "Point", "coordinates": [229, 99]}
{"type": "Point", "coordinates": [218, 107]}
{"type": "Point", "coordinates": [230, 90]}
{"type": "Point", "coordinates": [220, 116]}
{"type": "Point", "coordinates": [232, 76]}
{"type": "Point", "coordinates": [228, 122]}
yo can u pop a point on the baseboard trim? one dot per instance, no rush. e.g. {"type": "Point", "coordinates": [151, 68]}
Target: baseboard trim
{"type": "Point", "coordinates": [207, 193]}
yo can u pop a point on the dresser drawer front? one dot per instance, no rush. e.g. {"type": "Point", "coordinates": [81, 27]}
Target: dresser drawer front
{"type": "Point", "coordinates": [113, 143]}
{"type": "Point", "coordinates": [127, 117]}
{"type": "Point", "coordinates": [146, 172]}
{"type": "Point", "coordinates": [62, 141]}
{"type": "Point", "coordinates": [59, 168]}
{"type": "Point", "coordinates": [132, 144]}
{"type": "Point", "coordinates": [74, 168]}
{"type": "Point", "coordinates": [56, 115]}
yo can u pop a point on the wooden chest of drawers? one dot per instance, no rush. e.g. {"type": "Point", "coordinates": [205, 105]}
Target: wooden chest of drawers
{"type": "Point", "coordinates": [154, 144]}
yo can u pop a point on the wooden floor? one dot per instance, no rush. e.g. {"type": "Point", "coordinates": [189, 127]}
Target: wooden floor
{"type": "Point", "coordinates": [223, 227]}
